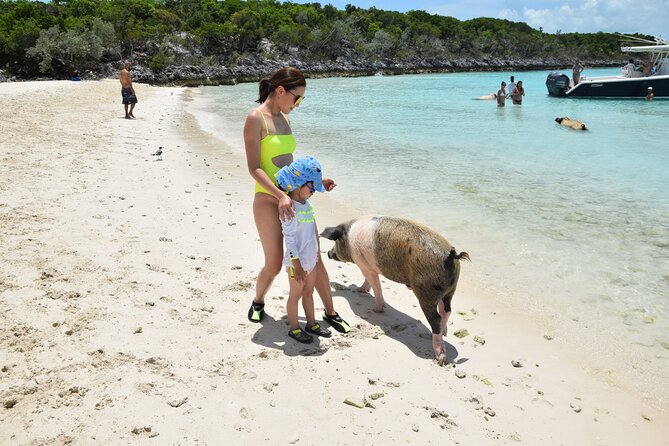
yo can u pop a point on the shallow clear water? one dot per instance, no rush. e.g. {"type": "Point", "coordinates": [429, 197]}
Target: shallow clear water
{"type": "Point", "coordinates": [573, 225]}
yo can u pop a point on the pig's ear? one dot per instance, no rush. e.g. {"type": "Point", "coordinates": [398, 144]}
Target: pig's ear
{"type": "Point", "coordinates": [332, 233]}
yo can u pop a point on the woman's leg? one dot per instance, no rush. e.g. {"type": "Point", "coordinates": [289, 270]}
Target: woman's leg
{"type": "Point", "coordinates": [266, 216]}
{"type": "Point", "coordinates": [322, 284]}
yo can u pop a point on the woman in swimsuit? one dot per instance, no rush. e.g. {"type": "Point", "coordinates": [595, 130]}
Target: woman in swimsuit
{"type": "Point", "coordinates": [269, 146]}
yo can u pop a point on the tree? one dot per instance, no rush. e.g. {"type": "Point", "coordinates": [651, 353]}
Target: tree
{"type": "Point", "coordinates": [67, 51]}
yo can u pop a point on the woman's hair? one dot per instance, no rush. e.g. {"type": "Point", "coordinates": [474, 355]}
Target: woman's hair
{"type": "Point", "coordinates": [287, 77]}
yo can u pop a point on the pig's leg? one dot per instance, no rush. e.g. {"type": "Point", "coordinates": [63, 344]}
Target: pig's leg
{"type": "Point", "coordinates": [372, 280]}
{"type": "Point", "coordinates": [444, 308]}
{"type": "Point", "coordinates": [434, 319]}
{"type": "Point", "coordinates": [364, 288]}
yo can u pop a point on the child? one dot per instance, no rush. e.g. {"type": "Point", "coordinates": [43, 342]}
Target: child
{"type": "Point", "coordinates": [300, 180]}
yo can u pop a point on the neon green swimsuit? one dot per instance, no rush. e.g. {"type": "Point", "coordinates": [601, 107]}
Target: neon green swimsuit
{"type": "Point", "coordinates": [272, 146]}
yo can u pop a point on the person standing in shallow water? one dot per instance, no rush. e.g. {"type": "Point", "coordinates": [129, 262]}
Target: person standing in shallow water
{"type": "Point", "coordinates": [517, 93]}
{"type": "Point", "coordinates": [127, 91]}
{"type": "Point", "coordinates": [576, 71]}
{"type": "Point", "coordinates": [501, 95]}
{"type": "Point", "coordinates": [649, 94]}
{"type": "Point", "coordinates": [269, 145]}
{"type": "Point", "coordinates": [511, 86]}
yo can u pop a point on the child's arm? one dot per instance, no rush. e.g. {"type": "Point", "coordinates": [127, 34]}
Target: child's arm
{"type": "Point", "coordinates": [289, 229]}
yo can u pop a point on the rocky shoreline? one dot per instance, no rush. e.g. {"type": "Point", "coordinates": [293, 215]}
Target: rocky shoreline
{"type": "Point", "coordinates": [252, 69]}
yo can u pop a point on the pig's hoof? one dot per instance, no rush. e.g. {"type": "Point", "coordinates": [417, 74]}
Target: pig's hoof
{"type": "Point", "coordinates": [378, 308]}
{"type": "Point", "coordinates": [441, 358]}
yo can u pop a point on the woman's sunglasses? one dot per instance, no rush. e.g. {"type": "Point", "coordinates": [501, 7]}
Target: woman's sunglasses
{"type": "Point", "coordinates": [297, 97]}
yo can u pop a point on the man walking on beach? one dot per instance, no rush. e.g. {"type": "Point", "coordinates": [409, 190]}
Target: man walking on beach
{"type": "Point", "coordinates": [127, 91]}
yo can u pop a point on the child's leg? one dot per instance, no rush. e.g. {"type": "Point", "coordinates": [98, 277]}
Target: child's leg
{"type": "Point", "coordinates": [294, 294]}
{"type": "Point", "coordinates": [308, 297]}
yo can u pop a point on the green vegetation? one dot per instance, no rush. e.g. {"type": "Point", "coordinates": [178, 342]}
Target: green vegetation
{"type": "Point", "coordinates": [62, 36]}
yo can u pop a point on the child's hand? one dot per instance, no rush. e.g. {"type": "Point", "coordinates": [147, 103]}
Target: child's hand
{"type": "Point", "coordinates": [298, 273]}
{"type": "Point", "coordinates": [329, 184]}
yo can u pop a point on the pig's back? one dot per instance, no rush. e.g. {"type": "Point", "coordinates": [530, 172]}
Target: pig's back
{"type": "Point", "coordinates": [406, 251]}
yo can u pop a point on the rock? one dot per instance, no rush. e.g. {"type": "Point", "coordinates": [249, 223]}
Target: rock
{"type": "Point", "coordinates": [177, 403]}
{"type": "Point", "coordinates": [479, 339]}
{"type": "Point", "coordinates": [648, 320]}
{"type": "Point", "coordinates": [137, 330]}
{"type": "Point", "coordinates": [9, 403]}
{"type": "Point", "coordinates": [461, 333]}
{"type": "Point", "coordinates": [488, 411]}
{"type": "Point", "coordinates": [548, 337]}
{"type": "Point", "coordinates": [518, 362]}
{"type": "Point", "coordinates": [269, 386]}
{"type": "Point", "coordinates": [575, 407]}
{"type": "Point", "coordinates": [414, 427]}
{"type": "Point", "coordinates": [356, 402]}
{"type": "Point", "coordinates": [460, 373]}
{"type": "Point", "coordinates": [376, 396]}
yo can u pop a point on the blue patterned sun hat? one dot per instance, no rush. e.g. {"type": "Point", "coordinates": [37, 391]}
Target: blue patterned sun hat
{"type": "Point", "coordinates": [299, 172]}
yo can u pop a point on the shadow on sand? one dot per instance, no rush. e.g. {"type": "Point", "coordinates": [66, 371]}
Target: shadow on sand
{"type": "Point", "coordinates": [273, 333]}
{"type": "Point", "coordinates": [413, 333]}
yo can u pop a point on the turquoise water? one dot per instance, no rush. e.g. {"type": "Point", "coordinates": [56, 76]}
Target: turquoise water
{"type": "Point", "coordinates": [572, 225]}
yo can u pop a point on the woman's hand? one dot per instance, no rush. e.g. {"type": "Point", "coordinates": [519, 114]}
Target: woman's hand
{"type": "Point", "coordinates": [329, 184]}
{"type": "Point", "coordinates": [286, 211]}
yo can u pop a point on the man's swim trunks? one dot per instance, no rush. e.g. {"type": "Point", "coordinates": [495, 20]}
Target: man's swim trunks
{"type": "Point", "coordinates": [128, 96]}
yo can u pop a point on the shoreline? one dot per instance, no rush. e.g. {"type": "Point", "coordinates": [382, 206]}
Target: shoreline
{"type": "Point", "coordinates": [197, 76]}
{"type": "Point", "coordinates": [150, 266]}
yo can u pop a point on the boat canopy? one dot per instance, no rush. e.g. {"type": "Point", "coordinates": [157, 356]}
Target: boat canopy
{"type": "Point", "coordinates": [645, 49]}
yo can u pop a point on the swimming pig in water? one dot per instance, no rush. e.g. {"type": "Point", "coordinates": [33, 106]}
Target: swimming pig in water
{"type": "Point", "coordinates": [571, 123]}
{"type": "Point", "coordinates": [404, 252]}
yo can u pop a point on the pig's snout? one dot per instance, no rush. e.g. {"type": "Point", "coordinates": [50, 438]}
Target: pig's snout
{"type": "Point", "coordinates": [332, 254]}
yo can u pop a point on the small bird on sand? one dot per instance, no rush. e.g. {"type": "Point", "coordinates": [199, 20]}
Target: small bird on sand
{"type": "Point", "coordinates": [158, 153]}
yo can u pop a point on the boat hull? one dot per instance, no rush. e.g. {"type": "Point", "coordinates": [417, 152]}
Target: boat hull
{"type": "Point", "coordinates": [611, 87]}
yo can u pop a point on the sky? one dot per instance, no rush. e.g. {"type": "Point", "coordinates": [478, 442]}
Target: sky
{"type": "Point", "coordinates": [624, 16]}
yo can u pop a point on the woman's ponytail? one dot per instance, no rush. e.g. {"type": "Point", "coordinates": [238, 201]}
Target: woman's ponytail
{"type": "Point", "coordinates": [264, 90]}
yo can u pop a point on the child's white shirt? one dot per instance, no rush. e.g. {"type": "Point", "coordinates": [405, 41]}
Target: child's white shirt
{"type": "Point", "coordinates": [300, 237]}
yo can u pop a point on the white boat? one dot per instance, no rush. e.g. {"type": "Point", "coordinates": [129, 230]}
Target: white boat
{"type": "Point", "coordinates": [630, 83]}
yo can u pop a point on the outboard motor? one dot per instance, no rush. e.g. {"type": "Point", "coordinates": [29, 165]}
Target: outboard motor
{"type": "Point", "coordinates": [557, 84]}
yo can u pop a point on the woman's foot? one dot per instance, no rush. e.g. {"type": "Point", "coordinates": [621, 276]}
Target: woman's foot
{"type": "Point", "coordinates": [337, 323]}
{"type": "Point", "coordinates": [256, 312]}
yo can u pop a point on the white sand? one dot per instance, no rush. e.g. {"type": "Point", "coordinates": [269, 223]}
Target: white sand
{"type": "Point", "coordinates": [124, 287]}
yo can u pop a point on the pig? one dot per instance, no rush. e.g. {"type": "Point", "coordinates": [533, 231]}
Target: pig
{"type": "Point", "coordinates": [404, 252]}
{"type": "Point", "coordinates": [571, 123]}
